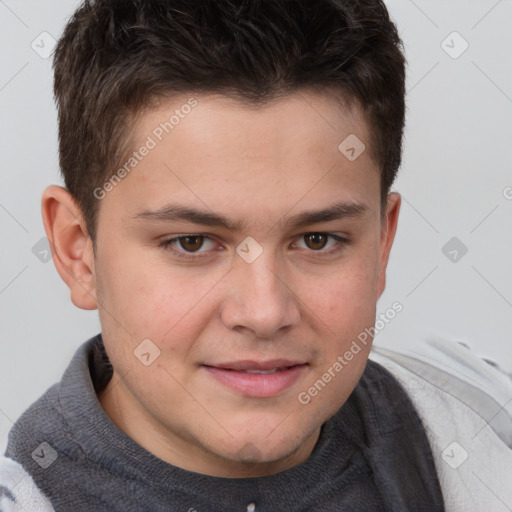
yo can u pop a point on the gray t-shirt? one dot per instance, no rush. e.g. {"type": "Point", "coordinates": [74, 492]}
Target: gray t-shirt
{"type": "Point", "coordinates": [372, 455]}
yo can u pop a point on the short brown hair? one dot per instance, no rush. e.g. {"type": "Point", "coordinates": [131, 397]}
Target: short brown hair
{"type": "Point", "coordinates": [116, 56]}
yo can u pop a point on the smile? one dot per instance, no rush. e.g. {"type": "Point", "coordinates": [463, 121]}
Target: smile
{"type": "Point", "coordinates": [257, 382]}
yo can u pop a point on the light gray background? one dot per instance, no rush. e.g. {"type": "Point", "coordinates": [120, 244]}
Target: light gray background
{"type": "Point", "coordinates": [454, 178]}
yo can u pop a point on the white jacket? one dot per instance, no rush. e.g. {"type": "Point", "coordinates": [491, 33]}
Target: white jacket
{"type": "Point", "coordinates": [464, 402]}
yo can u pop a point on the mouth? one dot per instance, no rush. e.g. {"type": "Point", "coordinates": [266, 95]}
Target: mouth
{"type": "Point", "coordinates": [264, 372]}
{"type": "Point", "coordinates": [257, 379]}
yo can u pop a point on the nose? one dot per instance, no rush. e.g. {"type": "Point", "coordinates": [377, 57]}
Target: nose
{"type": "Point", "coordinates": [259, 299]}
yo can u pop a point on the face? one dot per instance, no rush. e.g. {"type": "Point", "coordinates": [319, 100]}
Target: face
{"type": "Point", "coordinates": [248, 252]}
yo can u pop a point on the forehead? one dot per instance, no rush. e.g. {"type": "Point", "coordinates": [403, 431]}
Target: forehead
{"type": "Point", "coordinates": [263, 127]}
{"type": "Point", "coordinates": [215, 150]}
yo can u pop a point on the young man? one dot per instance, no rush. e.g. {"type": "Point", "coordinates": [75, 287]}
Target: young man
{"type": "Point", "coordinates": [227, 210]}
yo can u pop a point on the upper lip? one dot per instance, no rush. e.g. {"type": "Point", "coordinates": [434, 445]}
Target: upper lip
{"type": "Point", "coordinates": [257, 365]}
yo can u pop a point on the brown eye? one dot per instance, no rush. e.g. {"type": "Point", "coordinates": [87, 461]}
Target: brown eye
{"type": "Point", "coordinates": [191, 243]}
{"type": "Point", "coordinates": [191, 246]}
{"type": "Point", "coordinates": [316, 241]}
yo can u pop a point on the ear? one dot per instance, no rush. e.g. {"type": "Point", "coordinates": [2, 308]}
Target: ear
{"type": "Point", "coordinates": [388, 230]}
{"type": "Point", "coordinates": [71, 245]}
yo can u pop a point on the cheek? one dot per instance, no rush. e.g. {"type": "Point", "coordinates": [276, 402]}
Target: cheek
{"type": "Point", "coordinates": [344, 298]}
{"type": "Point", "coordinates": [144, 296]}
{"type": "Point", "coordinates": [347, 310]}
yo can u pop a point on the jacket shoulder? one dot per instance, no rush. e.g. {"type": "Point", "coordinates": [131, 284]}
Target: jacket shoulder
{"type": "Point", "coordinates": [18, 492]}
{"type": "Point", "coordinates": [465, 404]}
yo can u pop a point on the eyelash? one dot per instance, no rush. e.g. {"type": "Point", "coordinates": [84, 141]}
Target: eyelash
{"type": "Point", "coordinates": [167, 245]}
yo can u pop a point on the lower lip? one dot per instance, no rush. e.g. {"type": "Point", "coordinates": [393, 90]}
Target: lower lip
{"type": "Point", "coordinates": [258, 385]}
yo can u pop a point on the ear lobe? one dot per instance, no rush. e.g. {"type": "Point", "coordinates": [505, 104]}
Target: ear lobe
{"type": "Point", "coordinates": [388, 231]}
{"type": "Point", "coordinates": [71, 245]}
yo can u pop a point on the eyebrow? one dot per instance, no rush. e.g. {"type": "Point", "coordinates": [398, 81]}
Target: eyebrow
{"type": "Point", "coordinates": [177, 212]}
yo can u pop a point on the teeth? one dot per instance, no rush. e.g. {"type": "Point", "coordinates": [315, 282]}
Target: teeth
{"type": "Point", "coordinates": [265, 372]}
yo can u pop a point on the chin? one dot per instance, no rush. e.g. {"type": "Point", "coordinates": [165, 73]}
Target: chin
{"type": "Point", "coordinates": [262, 450]}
